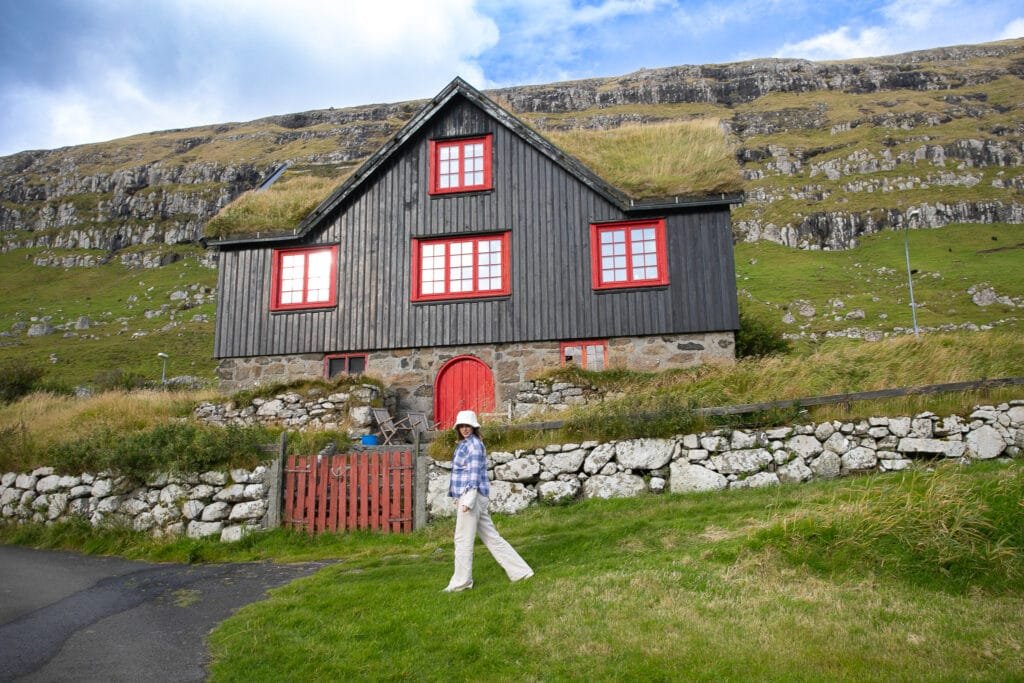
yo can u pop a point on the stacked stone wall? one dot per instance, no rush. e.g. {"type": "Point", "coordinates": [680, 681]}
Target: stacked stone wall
{"type": "Point", "coordinates": [741, 458]}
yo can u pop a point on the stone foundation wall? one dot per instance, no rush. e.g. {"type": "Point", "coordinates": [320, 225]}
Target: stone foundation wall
{"type": "Point", "coordinates": [409, 373]}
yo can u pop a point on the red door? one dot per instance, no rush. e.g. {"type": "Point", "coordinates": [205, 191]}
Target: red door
{"type": "Point", "coordinates": [463, 383]}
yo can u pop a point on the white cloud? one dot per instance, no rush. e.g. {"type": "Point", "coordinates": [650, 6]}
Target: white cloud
{"type": "Point", "coordinates": [235, 60]}
{"type": "Point", "coordinates": [840, 44]}
{"type": "Point", "coordinates": [1014, 29]}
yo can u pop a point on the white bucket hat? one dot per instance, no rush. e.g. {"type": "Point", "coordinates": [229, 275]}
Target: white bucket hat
{"type": "Point", "coordinates": [467, 417]}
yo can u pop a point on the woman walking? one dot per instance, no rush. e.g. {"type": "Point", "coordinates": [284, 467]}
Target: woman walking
{"type": "Point", "coordinates": [471, 489]}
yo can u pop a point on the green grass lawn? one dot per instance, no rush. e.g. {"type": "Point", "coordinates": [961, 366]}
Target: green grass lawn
{"type": "Point", "coordinates": [896, 577]}
{"type": "Point", "coordinates": [873, 278]}
{"type": "Point", "coordinates": [115, 299]}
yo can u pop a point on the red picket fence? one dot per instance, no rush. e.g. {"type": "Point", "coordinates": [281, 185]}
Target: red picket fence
{"type": "Point", "coordinates": [372, 490]}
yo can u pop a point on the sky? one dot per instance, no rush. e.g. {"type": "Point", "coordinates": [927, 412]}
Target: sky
{"type": "Point", "coordinates": [80, 71]}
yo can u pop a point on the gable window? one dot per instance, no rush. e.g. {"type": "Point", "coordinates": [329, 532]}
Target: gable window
{"type": "Point", "coordinates": [344, 364]}
{"type": "Point", "coordinates": [304, 278]}
{"type": "Point", "coordinates": [460, 165]}
{"type": "Point", "coordinates": [628, 254]}
{"type": "Point", "coordinates": [589, 355]}
{"type": "Point", "coordinates": [462, 267]}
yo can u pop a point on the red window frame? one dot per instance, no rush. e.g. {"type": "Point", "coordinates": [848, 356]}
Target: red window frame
{"type": "Point", "coordinates": [583, 347]}
{"type": "Point", "coordinates": [606, 257]}
{"type": "Point", "coordinates": [348, 358]}
{"type": "Point", "coordinates": [279, 273]}
{"type": "Point", "coordinates": [456, 167]}
{"type": "Point", "coordinates": [440, 253]}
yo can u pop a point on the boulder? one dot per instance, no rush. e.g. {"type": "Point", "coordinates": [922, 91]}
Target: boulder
{"type": "Point", "coordinates": [520, 469]}
{"type": "Point", "coordinates": [598, 458]}
{"type": "Point", "coordinates": [215, 512]}
{"type": "Point", "coordinates": [687, 478]}
{"type": "Point", "coordinates": [253, 509]}
{"type": "Point", "coordinates": [558, 491]}
{"type": "Point", "coordinates": [742, 462]}
{"type": "Point", "coordinates": [564, 463]}
{"type": "Point", "coordinates": [804, 445]}
{"type": "Point", "coordinates": [985, 442]}
{"type": "Point", "coordinates": [756, 481]}
{"type": "Point", "coordinates": [198, 529]}
{"type": "Point", "coordinates": [510, 497]}
{"type": "Point", "coordinates": [644, 454]}
{"type": "Point", "coordinates": [794, 472]}
{"type": "Point", "coordinates": [827, 465]}
{"type": "Point", "coordinates": [859, 459]}
{"type": "Point", "coordinates": [620, 485]}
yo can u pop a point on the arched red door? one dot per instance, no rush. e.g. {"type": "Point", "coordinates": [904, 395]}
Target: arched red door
{"type": "Point", "coordinates": [463, 383]}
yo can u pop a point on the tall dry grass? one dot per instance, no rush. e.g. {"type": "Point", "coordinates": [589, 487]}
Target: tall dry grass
{"type": "Point", "coordinates": [280, 208]}
{"type": "Point", "coordinates": [658, 160]}
{"type": "Point", "coordinates": [40, 421]}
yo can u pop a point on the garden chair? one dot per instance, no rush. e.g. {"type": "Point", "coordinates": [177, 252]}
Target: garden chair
{"type": "Point", "coordinates": [419, 423]}
{"type": "Point", "coordinates": [389, 427]}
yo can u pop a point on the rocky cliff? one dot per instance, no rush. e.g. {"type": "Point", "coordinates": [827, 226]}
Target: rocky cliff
{"type": "Point", "coordinates": [830, 151]}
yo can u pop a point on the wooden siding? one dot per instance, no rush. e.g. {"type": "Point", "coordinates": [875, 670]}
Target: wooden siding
{"type": "Point", "coordinates": [548, 212]}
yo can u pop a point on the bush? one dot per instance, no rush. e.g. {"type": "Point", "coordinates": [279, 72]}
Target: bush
{"type": "Point", "coordinates": [757, 338]}
{"type": "Point", "coordinates": [17, 380]}
{"type": "Point", "coordinates": [119, 380]}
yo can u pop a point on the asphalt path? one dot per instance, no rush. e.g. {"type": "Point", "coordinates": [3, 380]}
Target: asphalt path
{"type": "Point", "coordinates": [70, 617]}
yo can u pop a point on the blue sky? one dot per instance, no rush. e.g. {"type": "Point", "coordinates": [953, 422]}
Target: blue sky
{"type": "Point", "coordinates": [78, 71]}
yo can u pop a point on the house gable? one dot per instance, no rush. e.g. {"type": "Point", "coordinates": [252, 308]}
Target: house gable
{"type": "Point", "coordinates": [540, 202]}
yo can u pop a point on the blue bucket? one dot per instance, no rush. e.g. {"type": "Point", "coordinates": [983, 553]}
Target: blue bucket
{"type": "Point", "coordinates": [369, 440]}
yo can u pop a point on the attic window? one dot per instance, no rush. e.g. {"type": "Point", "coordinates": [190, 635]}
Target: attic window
{"type": "Point", "coordinates": [628, 254]}
{"type": "Point", "coordinates": [460, 165]}
{"type": "Point", "coordinates": [304, 278]}
{"type": "Point", "coordinates": [463, 267]}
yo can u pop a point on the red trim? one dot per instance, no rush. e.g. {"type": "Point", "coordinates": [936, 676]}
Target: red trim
{"type": "Point", "coordinates": [334, 356]}
{"type": "Point", "coordinates": [276, 282]}
{"type": "Point", "coordinates": [582, 345]}
{"type": "Point", "coordinates": [661, 250]}
{"type": "Point", "coordinates": [476, 292]}
{"type": "Point", "coordinates": [435, 165]}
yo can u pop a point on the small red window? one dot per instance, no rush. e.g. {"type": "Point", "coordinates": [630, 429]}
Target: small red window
{"type": "Point", "coordinates": [460, 165]}
{"type": "Point", "coordinates": [589, 355]}
{"type": "Point", "coordinates": [304, 278]}
{"type": "Point", "coordinates": [628, 254]}
{"type": "Point", "coordinates": [460, 267]}
{"type": "Point", "coordinates": [344, 364]}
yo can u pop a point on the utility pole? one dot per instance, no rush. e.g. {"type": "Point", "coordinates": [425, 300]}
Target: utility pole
{"type": "Point", "coordinates": [912, 215]}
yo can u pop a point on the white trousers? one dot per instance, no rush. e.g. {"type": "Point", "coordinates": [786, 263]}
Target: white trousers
{"type": "Point", "coordinates": [468, 525]}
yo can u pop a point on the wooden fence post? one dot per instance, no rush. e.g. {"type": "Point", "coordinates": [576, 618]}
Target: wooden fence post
{"type": "Point", "coordinates": [276, 492]}
{"type": "Point", "coordinates": [419, 515]}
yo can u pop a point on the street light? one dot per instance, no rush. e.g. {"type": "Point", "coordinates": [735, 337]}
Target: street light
{"type": "Point", "coordinates": [912, 216]}
{"type": "Point", "coordinates": [163, 372]}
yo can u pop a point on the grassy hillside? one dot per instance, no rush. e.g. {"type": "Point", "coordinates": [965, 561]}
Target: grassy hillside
{"type": "Point", "coordinates": [772, 280]}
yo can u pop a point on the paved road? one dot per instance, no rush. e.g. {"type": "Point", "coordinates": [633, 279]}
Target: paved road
{"type": "Point", "coordinates": [69, 617]}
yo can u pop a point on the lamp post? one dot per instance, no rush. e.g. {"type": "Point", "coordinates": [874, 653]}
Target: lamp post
{"type": "Point", "coordinates": [163, 372]}
{"type": "Point", "coordinates": [912, 215]}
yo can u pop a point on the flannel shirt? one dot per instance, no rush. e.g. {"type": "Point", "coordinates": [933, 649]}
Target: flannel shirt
{"type": "Point", "coordinates": [469, 468]}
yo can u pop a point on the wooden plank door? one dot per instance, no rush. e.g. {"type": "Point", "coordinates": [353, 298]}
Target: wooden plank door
{"type": "Point", "coordinates": [463, 383]}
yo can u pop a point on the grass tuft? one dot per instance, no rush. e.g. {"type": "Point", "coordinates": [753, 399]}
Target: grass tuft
{"type": "Point", "coordinates": [280, 208]}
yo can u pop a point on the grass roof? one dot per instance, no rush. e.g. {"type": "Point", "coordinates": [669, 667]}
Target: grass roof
{"type": "Point", "coordinates": [685, 158]}
{"type": "Point", "coordinates": [674, 158]}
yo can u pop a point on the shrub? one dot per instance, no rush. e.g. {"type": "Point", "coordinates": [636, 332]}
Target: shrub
{"type": "Point", "coordinates": [119, 380]}
{"type": "Point", "coordinates": [756, 338]}
{"type": "Point", "coordinates": [17, 380]}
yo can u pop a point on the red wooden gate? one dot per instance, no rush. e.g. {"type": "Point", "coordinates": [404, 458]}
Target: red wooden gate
{"type": "Point", "coordinates": [464, 383]}
{"type": "Point", "coordinates": [345, 492]}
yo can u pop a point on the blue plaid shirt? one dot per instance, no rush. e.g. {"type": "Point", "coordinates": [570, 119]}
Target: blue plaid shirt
{"type": "Point", "coordinates": [469, 468]}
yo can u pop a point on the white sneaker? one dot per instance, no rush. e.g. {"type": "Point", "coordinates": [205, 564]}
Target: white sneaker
{"type": "Point", "coordinates": [456, 589]}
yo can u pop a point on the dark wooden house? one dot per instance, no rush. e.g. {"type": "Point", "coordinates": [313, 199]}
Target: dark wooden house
{"type": "Point", "coordinates": [469, 254]}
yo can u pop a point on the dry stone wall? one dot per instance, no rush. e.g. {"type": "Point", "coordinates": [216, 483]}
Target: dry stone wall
{"type": "Point", "coordinates": [741, 458]}
{"type": "Point", "coordinates": [226, 505]}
